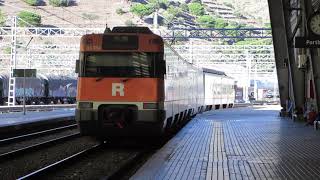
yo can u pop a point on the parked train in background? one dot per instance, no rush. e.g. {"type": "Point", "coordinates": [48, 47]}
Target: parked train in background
{"type": "Point", "coordinates": [41, 90]}
{"type": "Point", "coordinates": [131, 83]}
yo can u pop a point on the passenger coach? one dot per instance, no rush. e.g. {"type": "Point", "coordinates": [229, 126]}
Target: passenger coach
{"type": "Point", "coordinates": [131, 83]}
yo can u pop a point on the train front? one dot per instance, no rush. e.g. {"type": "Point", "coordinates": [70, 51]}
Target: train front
{"type": "Point", "coordinates": [121, 83]}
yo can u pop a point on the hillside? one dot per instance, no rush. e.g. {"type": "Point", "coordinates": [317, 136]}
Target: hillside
{"type": "Point", "coordinates": [254, 10]}
{"type": "Point", "coordinates": [96, 13]}
{"type": "Point", "coordinates": [84, 13]}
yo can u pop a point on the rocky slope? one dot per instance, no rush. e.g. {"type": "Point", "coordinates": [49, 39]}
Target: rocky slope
{"type": "Point", "coordinates": [96, 13]}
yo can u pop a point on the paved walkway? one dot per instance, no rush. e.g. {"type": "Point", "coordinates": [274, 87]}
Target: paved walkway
{"type": "Point", "coordinates": [240, 143]}
{"type": "Point", "coordinates": [17, 118]}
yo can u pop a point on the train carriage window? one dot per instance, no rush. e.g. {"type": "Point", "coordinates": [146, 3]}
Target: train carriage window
{"type": "Point", "coordinates": [120, 42]}
{"type": "Point", "coordinates": [126, 64]}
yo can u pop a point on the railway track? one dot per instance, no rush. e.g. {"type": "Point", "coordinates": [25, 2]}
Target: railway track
{"type": "Point", "coordinates": [99, 160]}
{"type": "Point", "coordinates": [103, 160]}
{"type": "Point", "coordinates": [14, 146]}
{"type": "Point", "coordinates": [60, 163]}
{"type": "Point", "coordinates": [129, 167]}
{"type": "Point", "coordinates": [35, 134]}
{"type": "Point", "coordinates": [35, 147]}
{"type": "Point", "coordinates": [123, 162]}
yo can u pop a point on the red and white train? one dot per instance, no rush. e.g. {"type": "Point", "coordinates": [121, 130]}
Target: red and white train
{"type": "Point", "coordinates": [132, 83]}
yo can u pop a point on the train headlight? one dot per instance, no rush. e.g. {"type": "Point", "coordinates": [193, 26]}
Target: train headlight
{"type": "Point", "coordinates": [150, 105]}
{"type": "Point", "coordinates": [85, 105]}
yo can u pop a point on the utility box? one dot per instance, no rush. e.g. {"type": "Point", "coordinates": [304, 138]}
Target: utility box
{"type": "Point", "coordinates": [24, 72]}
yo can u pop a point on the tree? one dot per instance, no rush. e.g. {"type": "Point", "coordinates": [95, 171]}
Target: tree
{"type": "Point", "coordinates": [29, 18]}
{"type": "Point", "coordinates": [141, 10]}
{"type": "Point", "coordinates": [196, 9]}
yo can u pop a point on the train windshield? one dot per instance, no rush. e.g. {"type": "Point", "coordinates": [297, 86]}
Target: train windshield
{"type": "Point", "coordinates": [124, 64]}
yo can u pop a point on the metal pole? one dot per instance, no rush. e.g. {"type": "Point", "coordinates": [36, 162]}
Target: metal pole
{"type": "Point", "coordinates": [255, 88]}
{"type": "Point", "coordinates": [275, 84]}
{"type": "Point", "coordinates": [24, 91]}
{"type": "Point", "coordinates": [13, 64]}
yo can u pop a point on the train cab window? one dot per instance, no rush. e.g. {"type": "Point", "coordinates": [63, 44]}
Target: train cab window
{"type": "Point", "coordinates": [126, 64]}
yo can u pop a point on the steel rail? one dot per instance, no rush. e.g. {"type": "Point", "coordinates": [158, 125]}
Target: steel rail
{"type": "Point", "coordinates": [34, 147]}
{"type": "Point", "coordinates": [35, 134]}
{"type": "Point", "coordinates": [127, 166]}
{"type": "Point", "coordinates": [60, 163]}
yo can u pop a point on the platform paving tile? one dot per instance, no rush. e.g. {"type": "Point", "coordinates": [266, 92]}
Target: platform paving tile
{"type": "Point", "coordinates": [244, 143]}
{"type": "Point", "coordinates": [17, 118]}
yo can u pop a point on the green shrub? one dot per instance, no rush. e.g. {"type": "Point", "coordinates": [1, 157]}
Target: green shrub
{"type": "Point", "coordinates": [267, 25]}
{"type": "Point", "coordinates": [220, 23]}
{"type": "Point", "coordinates": [90, 16]}
{"type": "Point", "coordinates": [255, 42]}
{"type": "Point", "coordinates": [47, 42]}
{"type": "Point", "coordinates": [7, 50]}
{"type": "Point", "coordinates": [59, 3]}
{"type": "Point", "coordinates": [168, 18]}
{"type": "Point", "coordinates": [28, 18]}
{"type": "Point", "coordinates": [2, 18]}
{"type": "Point", "coordinates": [175, 11]}
{"type": "Point", "coordinates": [228, 4]}
{"type": "Point", "coordinates": [196, 9]}
{"type": "Point", "coordinates": [196, 1]}
{"type": "Point", "coordinates": [141, 10]}
{"type": "Point", "coordinates": [32, 2]}
{"type": "Point", "coordinates": [211, 22]}
{"type": "Point", "coordinates": [233, 25]}
{"type": "Point", "coordinates": [120, 11]}
{"type": "Point", "coordinates": [206, 21]}
{"type": "Point", "coordinates": [129, 23]}
{"type": "Point", "coordinates": [184, 7]}
{"type": "Point", "coordinates": [157, 4]}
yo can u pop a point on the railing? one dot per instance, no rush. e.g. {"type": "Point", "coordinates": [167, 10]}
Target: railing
{"type": "Point", "coordinates": [212, 33]}
{"type": "Point", "coordinates": [176, 33]}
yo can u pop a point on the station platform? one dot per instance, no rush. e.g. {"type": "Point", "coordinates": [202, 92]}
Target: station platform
{"type": "Point", "coordinates": [239, 143]}
{"type": "Point", "coordinates": [13, 122]}
{"type": "Point", "coordinates": [17, 118]}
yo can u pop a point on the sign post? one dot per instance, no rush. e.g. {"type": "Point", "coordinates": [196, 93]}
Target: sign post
{"type": "Point", "coordinates": [24, 73]}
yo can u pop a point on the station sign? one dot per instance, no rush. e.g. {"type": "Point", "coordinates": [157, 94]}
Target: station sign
{"type": "Point", "coordinates": [24, 72]}
{"type": "Point", "coordinates": [307, 42]}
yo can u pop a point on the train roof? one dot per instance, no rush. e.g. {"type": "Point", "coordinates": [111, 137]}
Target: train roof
{"type": "Point", "coordinates": [129, 29]}
{"type": "Point", "coordinates": [212, 71]}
